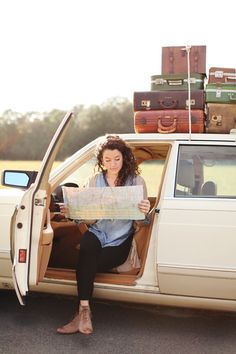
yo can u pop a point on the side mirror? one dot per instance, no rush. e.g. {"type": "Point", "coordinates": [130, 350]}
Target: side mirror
{"type": "Point", "coordinates": [18, 179]}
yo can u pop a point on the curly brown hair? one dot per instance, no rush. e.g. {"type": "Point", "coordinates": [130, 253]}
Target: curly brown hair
{"type": "Point", "coordinates": [129, 168]}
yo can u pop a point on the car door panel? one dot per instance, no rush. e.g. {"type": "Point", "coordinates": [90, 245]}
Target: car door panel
{"type": "Point", "coordinates": [196, 238]}
{"type": "Point", "coordinates": [31, 234]}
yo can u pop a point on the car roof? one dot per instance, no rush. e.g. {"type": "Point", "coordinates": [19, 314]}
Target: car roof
{"type": "Point", "coordinates": [177, 137]}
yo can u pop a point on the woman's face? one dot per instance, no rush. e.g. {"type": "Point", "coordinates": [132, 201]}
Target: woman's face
{"type": "Point", "coordinates": [112, 161]}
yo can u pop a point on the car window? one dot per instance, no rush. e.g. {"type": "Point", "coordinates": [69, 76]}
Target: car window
{"type": "Point", "coordinates": [206, 171]}
{"type": "Point", "coordinates": [82, 173]}
{"type": "Point", "coordinates": [151, 171]}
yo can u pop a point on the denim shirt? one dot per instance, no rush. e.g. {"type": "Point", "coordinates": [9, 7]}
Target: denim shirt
{"type": "Point", "coordinates": [111, 232]}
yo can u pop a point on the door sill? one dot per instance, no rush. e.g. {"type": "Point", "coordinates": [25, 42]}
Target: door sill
{"type": "Point", "coordinates": [108, 278]}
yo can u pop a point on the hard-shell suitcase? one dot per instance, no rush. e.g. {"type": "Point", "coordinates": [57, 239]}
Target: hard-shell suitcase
{"type": "Point", "coordinates": [152, 100]}
{"type": "Point", "coordinates": [221, 118]}
{"type": "Point", "coordinates": [222, 75]}
{"type": "Point", "coordinates": [220, 93]}
{"type": "Point", "coordinates": [177, 82]}
{"type": "Point", "coordinates": [168, 121]}
{"type": "Point", "coordinates": [174, 60]}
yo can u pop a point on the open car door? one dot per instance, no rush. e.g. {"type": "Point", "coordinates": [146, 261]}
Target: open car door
{"type": "Point", "coordinates": [31, 232]}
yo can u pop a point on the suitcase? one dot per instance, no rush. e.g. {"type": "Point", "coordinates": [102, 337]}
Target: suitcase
{"type": "Point", "coordinates": [221, 118]}
{"type": "Point", "coordinates": [177, 82]}
{"type": "Point", "coordinates": [220, 93]}
{"type": "Point", "coordinates": [174, 60]}
{"type": "Point", "coordinates": [222, 75]}
{"type": "Point", "coordinates": [153, 100]}
{"type": "Point", "coordinates": [168, 121]}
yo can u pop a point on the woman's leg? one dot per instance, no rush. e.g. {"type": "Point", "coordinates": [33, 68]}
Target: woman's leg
{"type": "Point", "coordinates": [90, 249]}
{"type": "Point", "coordinates": [114, 256]}
{"type": "Point", "coordinates": [89, 253]}
{"type": "Point", "coordinates": [92, 258]}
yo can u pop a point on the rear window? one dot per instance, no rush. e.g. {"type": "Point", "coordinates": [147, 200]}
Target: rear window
{"type": "Point", "coordinates": [206, 171]}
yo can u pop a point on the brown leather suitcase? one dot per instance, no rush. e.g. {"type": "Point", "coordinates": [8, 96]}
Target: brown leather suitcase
{"type": "Point", "coordinates": [153, 100]}
{"type": "Point", "coordinates": [222, 75]}
{"type": "Point", "coordinates": [174, 60]}
{"type": "Point", "coordinates": [221, 118]}
{"type": "Point", "coordinates": [168, 121]}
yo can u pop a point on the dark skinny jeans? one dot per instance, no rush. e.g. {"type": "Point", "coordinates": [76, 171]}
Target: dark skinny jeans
{"type": "Point", "coordinates": [93, 258]}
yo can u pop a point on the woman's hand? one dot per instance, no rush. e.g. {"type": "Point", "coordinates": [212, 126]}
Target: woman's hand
{"type": "Point", "coordinates": [63, 210]}
{"type": "Point", "coordinates": [144, 206]}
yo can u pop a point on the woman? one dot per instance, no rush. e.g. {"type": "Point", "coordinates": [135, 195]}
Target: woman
{"type": "Point", "coordinates": [107, 243]}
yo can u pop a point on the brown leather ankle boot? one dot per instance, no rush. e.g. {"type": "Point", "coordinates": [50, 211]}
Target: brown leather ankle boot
{"type": "Point", "coordinates": [71, 327]}
{"type": "Point", "coordinates": [85, 323]}
{"type": "Point", "coordinates": [80, 323]}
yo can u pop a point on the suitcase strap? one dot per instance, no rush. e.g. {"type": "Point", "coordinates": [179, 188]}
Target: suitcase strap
{"type": "Point", "coordinates": [175, 82]}
{"type": "Point", "coordinates": [166, 129]}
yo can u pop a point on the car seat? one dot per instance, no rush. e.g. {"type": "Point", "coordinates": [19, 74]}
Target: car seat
{"type": "Point", "coordinates": [209, 188]}
{"type": "Point", "coordinates": [185, 178]}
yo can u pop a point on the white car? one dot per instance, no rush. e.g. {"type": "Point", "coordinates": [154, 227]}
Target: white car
{"type": "Point", "coordinates": [187, 253]}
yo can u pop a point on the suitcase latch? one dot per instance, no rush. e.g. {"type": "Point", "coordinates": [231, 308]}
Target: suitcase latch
{"type": "Point", "coordinates": [217, 119]}
{"type": "Point", "coordinates": [219, 74]}
{"type": "Point", "coordinates": [232, 96]}
{"type": "Point", "coordinates": [218, 93]}
{"type": "Point", "coordinates": [146, 103]}
{"type": "Point", "coordinates": [192, 80]}
{"type": "Point", "coordinates": [159, 81]}
{"type": "Point", "coordinates": [192, 102]}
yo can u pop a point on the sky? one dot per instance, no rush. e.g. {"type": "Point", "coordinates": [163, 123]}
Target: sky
{"type": "Point", "coordinates": [62, 53]}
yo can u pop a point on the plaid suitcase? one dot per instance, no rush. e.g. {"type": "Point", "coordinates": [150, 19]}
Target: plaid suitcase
{"type": "Point", "coordinates": [168, 121]}
{"type": "Point", "coordinates": [177, 82]}
{"type": "Point", "coordinates": [220, 93]}
{"type": "Point", "coordinates": [174, 60]}
{"type": "Point", "coordinates": [153, 100]}
{"type": "Point", "coordinates": [221, 118]}
{"type": "Point", "coordinates": [222, 75]}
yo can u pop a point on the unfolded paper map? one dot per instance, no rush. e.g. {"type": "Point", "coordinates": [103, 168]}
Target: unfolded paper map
{"type": "Point", "coordinates": [103, 203]}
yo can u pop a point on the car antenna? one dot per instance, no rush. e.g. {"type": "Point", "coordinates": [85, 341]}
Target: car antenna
{"type": "Point", "coordinates": [187, 48]}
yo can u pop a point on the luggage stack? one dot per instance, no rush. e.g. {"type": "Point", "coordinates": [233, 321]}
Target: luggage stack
{"type": "Point", "coordinates": [164, 109]}
{"type": "Point", "coordinates": [221, 100]}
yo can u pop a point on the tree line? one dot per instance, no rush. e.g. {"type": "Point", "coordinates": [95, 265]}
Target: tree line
{"type": "Point", "coordinates": [26, 136]}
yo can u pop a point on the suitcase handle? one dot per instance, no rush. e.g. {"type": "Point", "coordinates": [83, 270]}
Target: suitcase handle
{"type": "Point", "coordinates": [230, 79]}
{"type": "Point", "coordinates": [164, 129]}
{"type": "Point", "coordinates": [166, 104]}
{"type": "Point", "coordinates": [175, 82]}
